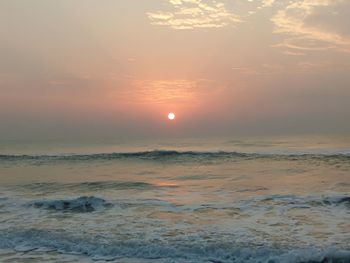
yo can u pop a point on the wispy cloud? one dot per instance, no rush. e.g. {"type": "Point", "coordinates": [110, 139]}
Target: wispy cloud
{"type": "Point", "coordinates": [266, 3]}
{"type": "Point", "coordinates": [159, 91]}
{"type": "Point", "coordinates": [309, 25]}
{"type": "Point", "coordinates": [190, 14]}
{"type": "Point", "coordinates": [168, 90]}
{"type": "Point", "coordinates": [298, 66]}
{"type": "Point", "coordinates": [293, 53]}
{"type": "Point", "coordinates": [244, 70]}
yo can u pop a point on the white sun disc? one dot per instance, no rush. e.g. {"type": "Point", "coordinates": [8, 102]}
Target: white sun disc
{"type": "Point", "coordinates": [171, 116]}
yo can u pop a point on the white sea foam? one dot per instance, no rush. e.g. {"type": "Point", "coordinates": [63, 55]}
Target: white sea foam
{"type": "Point", "coordinates": [175, 251]}
{"type": "Point", "coordinates": [173, 206]}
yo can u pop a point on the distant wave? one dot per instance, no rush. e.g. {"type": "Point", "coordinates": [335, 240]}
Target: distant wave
{"type": "Point", "coordinates": [88, 186]}
{"type": "Point", "coordinates": [173, 155]}
{"type": "Point", "coordinates": [155, 154]}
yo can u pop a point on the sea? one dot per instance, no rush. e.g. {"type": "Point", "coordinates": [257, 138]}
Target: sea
{"type": "Point", "coordinates": [278, 199]}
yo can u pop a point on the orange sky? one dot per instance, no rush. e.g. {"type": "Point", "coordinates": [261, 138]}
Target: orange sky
{"type": "Point", "coordinates": [224, 67]}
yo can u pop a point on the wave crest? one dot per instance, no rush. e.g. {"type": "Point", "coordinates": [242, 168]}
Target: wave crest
{"type": "Point", "coordinates": [164, 155]}
{"type": "Point", "coordinates": [81, 204]}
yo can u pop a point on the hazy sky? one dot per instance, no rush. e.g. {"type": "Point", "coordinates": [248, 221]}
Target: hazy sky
{"type": "Point", "coordinates": [117, 67]}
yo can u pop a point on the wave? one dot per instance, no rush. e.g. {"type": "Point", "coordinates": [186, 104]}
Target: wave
{"type": "Point", "coordinates": [294, 201]}
{"type": "Point", "coordinates": [88, 186]}
{"type": "Point", "coordinates": [206, 246]}
{"type": "Point", "coordinates": [81, 204]}
{"type": "Point", "coordinates": [248, 206]}
{"type": "Point", "coordinates": [164, 155]}
{"type": "Point", "coordinates": [99, 248]}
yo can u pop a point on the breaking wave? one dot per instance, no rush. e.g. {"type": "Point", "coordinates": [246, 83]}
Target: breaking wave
{"type": "Point", "coordinates": [164, 155]}
{"type": "Point", "coordinates": [81, 204]}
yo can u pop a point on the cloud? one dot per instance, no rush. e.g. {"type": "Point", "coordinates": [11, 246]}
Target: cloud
{"type": "Point", "coordinates": [162, 91]}
{"type": "Point", "coordinates": [245, 70]}
{"type": "Point", "coordinates": [190, 14]}
{"type": "Point", "coordinates": [265, 3]}
{"type": "Point", "coordinates": [301, 65]}
{"type": "Point", "coordinates": [168, 90]}
{"type": "Point", "coordinates": [314, 25]}
{"type": "Point", "coordinates": [293, 53]}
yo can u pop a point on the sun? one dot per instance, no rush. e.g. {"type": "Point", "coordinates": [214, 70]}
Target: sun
{"type": "Point", "coordinates": [171, 116]}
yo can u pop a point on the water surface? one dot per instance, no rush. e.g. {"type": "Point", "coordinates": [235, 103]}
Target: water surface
{"type": "Point", "coordinates": [225, 200]}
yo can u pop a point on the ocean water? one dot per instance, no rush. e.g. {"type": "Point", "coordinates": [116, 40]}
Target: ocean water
{"type": "Point", "coordinates": [194, 200]}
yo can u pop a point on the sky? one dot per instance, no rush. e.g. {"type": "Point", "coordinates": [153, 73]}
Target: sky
{"type": "Point", "coordinates": [113, 68]}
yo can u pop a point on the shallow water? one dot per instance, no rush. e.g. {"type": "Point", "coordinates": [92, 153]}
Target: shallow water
{"type": "Point", "coordinates": [194, 201]}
